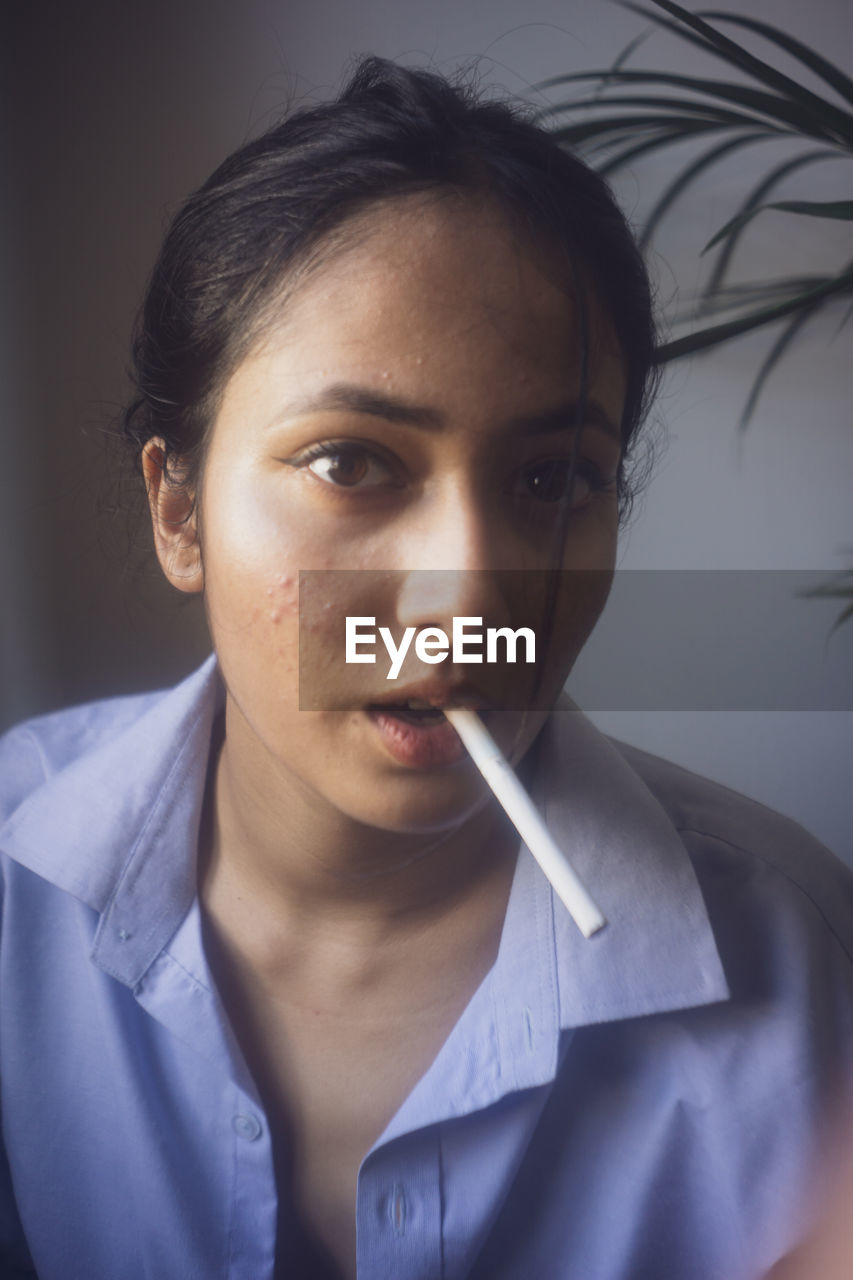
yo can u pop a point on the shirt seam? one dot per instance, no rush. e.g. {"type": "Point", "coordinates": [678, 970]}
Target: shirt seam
{"type": "Point", "coordinates": [553, 1016]}
{"type": "Point", "coordinates": [442, 1199]}
{"type": "Point", "coordinates": [149, 824]}
{"type": "Point", "coordinates": [42, 758]}
{"type": "Point", "coordinates": [767, 862]}
{"type": "Point", "coordinates": [197, 983]}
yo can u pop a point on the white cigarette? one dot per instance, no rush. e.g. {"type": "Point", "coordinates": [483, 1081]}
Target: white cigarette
{"type": "Point", "coordinates": [498, 772]}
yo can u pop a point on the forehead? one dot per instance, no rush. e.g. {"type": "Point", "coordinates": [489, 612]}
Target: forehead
{"type": "Point", "coordinates": [439, 294]}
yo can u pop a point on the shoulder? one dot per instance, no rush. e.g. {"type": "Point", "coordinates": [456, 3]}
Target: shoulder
{"type": "Point", "coordinates": [34, 751]}
{"type": "Point", "coordinates": [746, 854]}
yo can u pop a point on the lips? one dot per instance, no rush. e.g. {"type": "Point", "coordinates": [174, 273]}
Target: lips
{"type": "Point", "coordinates": [412, 728]}
{"type": "Point", "coordinates": [428, 746]}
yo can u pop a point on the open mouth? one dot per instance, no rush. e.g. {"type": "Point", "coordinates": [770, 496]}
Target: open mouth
{"type": "Point", "coordinates": [416, 734]}
{"type": "Point", "coordinates": [413, 712]}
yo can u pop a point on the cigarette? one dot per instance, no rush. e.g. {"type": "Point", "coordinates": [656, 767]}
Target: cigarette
{"type": "Point", "coordinates": [509, 792]}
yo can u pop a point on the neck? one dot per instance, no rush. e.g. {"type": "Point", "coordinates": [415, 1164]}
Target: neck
{"type": "Point", "coordinates": [296, 868]}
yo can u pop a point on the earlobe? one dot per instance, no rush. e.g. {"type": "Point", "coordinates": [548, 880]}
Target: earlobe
{"type": "Point", "coordinates": [173, 517]}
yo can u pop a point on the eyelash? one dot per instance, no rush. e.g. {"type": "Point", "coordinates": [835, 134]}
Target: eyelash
{"type": "Point", "coordinates": [584, 470]}
{"type": "Point", "coordinates": [342, 448]}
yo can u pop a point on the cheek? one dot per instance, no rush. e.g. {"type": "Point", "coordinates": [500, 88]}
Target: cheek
{"type": "Point", "coordinates": [282, 597]}
{"type": "Point", "coordinates": [591, 543]}
{"type": "Point", "coordinates": [252, 594]}
{"type": "Point", "coordinates": [253, 549]}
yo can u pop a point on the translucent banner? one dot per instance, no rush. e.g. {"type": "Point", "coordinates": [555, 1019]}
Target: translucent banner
{"type": "Point", "coordinates": [724, 640]}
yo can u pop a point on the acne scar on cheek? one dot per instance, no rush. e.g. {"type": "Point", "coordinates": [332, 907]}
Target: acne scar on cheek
{"type": "Point", "coordinates": [283, 595]}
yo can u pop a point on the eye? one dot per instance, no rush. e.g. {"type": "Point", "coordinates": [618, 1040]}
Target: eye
{"type": "Point", "coordinates": [347, 465]}
{"type": "Point", "coordinates": [551, 480]}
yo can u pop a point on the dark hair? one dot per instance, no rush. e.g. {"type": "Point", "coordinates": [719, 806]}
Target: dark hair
{"type": "Point", "coordinates": [272, 204]}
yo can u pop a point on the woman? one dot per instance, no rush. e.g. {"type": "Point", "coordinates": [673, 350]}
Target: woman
{"type": "Point", "coordinates": [281, 994]}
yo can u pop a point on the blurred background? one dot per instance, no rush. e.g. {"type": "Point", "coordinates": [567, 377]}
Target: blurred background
{"type": "Point", "coordinates": [113, 112]}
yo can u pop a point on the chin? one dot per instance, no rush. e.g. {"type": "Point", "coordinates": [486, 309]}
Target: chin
{"type": "Point", "coordinates": [409, 803]}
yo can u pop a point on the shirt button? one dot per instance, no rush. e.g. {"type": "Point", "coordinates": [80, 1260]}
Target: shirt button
{"type": "Point", "coordinates": [246, 1126]}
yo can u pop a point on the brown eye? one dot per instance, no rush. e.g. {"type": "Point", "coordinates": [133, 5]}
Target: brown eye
{"type": "Point", "coordinates": [551, 481]}
{"type": "Point", "coordinates": [348, 467]}
{"type": "Point", "coordinates": [344, 467]}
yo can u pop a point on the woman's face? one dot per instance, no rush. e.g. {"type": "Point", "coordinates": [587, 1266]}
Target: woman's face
{"type": "Point", "coordinates": [412, 411]}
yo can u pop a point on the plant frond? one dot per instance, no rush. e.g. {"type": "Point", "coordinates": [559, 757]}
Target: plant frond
{"type": "Point", "coordinates": [734, 54]}
{"type": "Point", "coordinates": [838, 587]}
{"type": "Point", "coordinates": [677, 107]}
{"type": "Point", "coordinates": [712, 335]}
{"type": "Point", "coordinates": [628, 52]}
{"type": "Point", "coordinates": [845, 319]}
{"type": "Point", "coordinates": [755, 197]}
{"type": "Point", "coordinates": [757, 293]}
{"type": "Point", "coordinates": [844, 616]}
{"type": "Point", "coordinates": [818, 123]}
{"type": "Point", "coordinates": [689, 175]}
{"type": "Point", "coordinates": [822, 67]}
{"type": "Point", "coordinates": [619, 128]}
{"type": "Point", "coordinates": [663, 138]}
{"type": "Point", "coordinates": [780, 346]}
{"type": "Point", "coordinates": [835, 209]}
{"type": "Point", "coordinates": [840, 210]}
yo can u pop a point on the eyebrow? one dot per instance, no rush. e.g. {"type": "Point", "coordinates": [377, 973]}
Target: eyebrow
{"type": "Point", "coordinates": [348, 397]}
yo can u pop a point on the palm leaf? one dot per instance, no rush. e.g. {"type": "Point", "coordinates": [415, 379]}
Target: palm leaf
{"type": "Point", "coordinates": [664, 138]}
{"type": "Point", "coordinates": [825, 70]}
{"type": "Point", "coordinates": [835, 209]}
{"type": "Point", "coordinates": [755, 197]}
{"type": "Point", "coordinates": [843, 321]}
{"type": "Point", "coordinates": [628, 126]}
{"type": "Point", "coordinates": [780, 346]}
{"type": "Point", "coordinates": [629, 118]}
{"type": "Point", "coordinates": [715, 334]}
{"type": "Point", "coordinates": [681, 108]}
{"type": "Point", "coordinates": [803, 117]}
{"type": "Point", "coordinates": [840, 209]}
{"type": "Point", "coordinates": [754, 294]}
{"type": "Point", "coordinates": [628, 52]}
{"type": "Point", "coordinates": [714, 106]}
{"type": "Point", "coordinates": [838, 587]}
{"type": "Point", "coordinates": [689, 175]}
{"type": "Point", "coordinates": [715, 43]}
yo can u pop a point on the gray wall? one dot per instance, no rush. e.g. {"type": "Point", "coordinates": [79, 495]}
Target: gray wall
{"type": "Point", "coordinates": [115, 110]}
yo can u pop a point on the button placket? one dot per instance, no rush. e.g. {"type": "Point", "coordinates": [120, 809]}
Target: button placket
{"type": "Point", "coordinates": [399, 1210]}
{"type": "Point", "coordinates": [254, 1204]}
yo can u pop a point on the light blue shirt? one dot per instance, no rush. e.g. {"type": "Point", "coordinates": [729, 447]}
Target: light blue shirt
{"type": "Point", "coordinates": [640, 1106]}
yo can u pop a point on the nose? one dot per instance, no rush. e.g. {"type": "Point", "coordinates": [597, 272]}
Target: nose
{"type": "Point", "coordinates": [434, 597]}
{"type": "Point", "coordinates": [453, 564]}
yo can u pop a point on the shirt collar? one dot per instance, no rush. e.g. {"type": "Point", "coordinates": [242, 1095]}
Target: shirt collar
{"type": "Point", "coordinates": [657, 952]}
{"type": "Point", "coordinates": [113, 827]}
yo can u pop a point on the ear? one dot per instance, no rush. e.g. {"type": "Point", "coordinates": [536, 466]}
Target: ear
{"type": "Point", "coordinates": [173, 517]}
